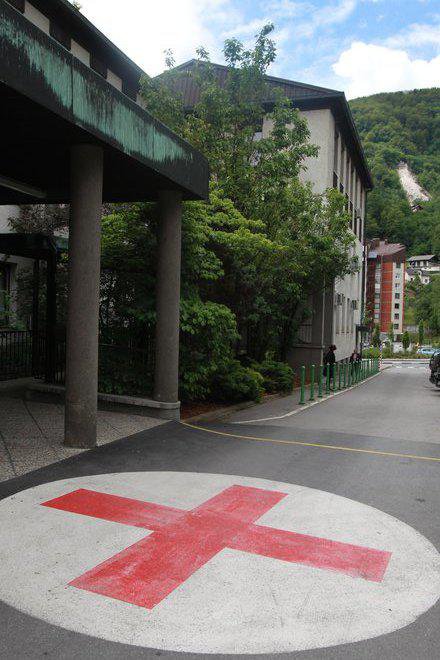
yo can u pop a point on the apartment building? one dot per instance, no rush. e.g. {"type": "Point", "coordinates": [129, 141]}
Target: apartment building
{"type": "Point", "coordinates": [341, 164]}
{"type": "Point", "coordinates": [386, 286]}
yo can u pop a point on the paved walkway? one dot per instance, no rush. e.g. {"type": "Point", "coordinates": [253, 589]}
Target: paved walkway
{"type": "Point", "coordinates": [31, 434]}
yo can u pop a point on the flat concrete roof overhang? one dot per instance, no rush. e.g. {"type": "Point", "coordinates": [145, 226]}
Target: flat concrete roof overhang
{"type": "Point", "coordinates": [50, 101]}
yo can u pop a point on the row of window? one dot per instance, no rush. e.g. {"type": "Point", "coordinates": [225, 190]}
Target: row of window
{"type": "Point", "coordinates": [347, 181]}
{"type": "Point", "coordinates": [344, 314]}
{"type": "Point", "coordinates": [89, 59]}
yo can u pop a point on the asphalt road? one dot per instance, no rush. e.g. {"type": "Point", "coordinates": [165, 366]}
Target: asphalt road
{"type": "Point", "coordinates": [376, 445]}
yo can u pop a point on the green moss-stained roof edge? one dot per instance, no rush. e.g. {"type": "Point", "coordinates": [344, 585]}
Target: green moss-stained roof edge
{"type": "Point", "coordinates": [35, 65]}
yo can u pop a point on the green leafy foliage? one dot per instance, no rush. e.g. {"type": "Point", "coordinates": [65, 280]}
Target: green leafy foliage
{"type": "Point", "coordinates": [402, 127]}
{"type": "Point", "coordinates": [375, 339]}
{"type": "Point", "coordinates": [238, 383]}
{"type": "Point", "coordinates": [278, 376]}
{"type": "Point", "coordinates": [427, 308]}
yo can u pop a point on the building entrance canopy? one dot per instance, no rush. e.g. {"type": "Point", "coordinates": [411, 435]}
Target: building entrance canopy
{"type": "Point", "coordinates": [49, 101]}
{"type": "Point", "coordinates": [68, 136]}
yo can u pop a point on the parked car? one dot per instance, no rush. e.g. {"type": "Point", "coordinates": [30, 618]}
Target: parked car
{"type": "Point", "coordinates": [433, 356]}
{"type": "Point", "coordinates": [427, 351]}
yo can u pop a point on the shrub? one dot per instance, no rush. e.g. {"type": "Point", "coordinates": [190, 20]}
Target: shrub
{"type": "Point", "coordinates": [208, 335]}
{"type": "Point", "coordinates": [372, 352]}
{"type": "Point", "coordinates": [278, 376]}
{"type": "Point", "coordinates": [387, 352]}
{"type": "Point", "coordinates": [237, 383]}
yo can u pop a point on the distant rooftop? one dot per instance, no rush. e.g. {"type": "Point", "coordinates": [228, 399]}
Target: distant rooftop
{"type": "Point", "coordinates": [422, 257]}
{"type": "Point", "coordinates": [383, 248]}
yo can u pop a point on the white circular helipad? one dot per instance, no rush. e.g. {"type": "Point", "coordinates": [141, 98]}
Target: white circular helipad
{"type": "Point", "coordinates": [210, 563]}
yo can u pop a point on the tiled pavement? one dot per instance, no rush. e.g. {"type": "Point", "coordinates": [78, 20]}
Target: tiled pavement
{"type": "Point", "coordinates": [31, 433]}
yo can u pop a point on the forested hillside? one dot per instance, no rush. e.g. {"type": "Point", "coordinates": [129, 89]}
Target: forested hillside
{"type": "Point", "coordinates": [396, 127]}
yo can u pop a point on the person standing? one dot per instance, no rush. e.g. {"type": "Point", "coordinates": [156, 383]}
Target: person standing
{"type": "Point", "coordinates": [329, 363]}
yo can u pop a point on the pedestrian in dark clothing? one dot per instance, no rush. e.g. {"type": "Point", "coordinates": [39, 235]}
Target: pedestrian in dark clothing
{"type": "Point", "coordinates": [355, 360]}
{"type": "Point", "coordinates": [329, 362]}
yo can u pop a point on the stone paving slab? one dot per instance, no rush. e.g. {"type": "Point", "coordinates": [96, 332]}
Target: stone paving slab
{"type": "Point", "coordinates": [31, 434]}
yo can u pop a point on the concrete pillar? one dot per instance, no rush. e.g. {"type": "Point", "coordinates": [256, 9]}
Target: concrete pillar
{"type": "Point", "coordinates": [166, 378]}
{"type": "Point", "coordinates": [83, 301]}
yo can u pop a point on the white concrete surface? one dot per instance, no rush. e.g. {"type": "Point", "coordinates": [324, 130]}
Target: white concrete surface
{"type": "Point", "coordinates": [236, 603]}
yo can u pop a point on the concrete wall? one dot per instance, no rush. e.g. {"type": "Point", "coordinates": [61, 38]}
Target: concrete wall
{"type": "Point", "coordinates": [319, 171]}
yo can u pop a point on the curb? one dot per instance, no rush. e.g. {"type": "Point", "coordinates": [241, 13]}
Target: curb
{"type": "Point", "coordinates": [218, 413]}
{"type": "Point", "coordinates": [306, 406]}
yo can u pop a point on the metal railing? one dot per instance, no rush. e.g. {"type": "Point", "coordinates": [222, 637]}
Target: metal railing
{"type": "Point", "coordinates": [16, 351]}
{"type": "Point", "coordinates": [328, 379]}
{"type": "Point", "coordinates": [122, 369]}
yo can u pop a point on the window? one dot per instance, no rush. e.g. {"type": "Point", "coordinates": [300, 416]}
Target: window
{"type": "Point", "coordinates": [398, 265]}
{"type": "Point", "coordinates": [377, 296]}
{"type": "Point", "coordinates": [80, 53]}
{"type": "Point", "coordinates": [37, 18]}
{"type": "Point", "coordinates": [377, 306]}
{"type": "Point", "coordinates": [396, 316]}
{"type": "Point", "coordinates": [397, 296]}
{"type": "Point", "coordinates": [396, 326]}
{"type": "Point", "coordinates": [396, 305]}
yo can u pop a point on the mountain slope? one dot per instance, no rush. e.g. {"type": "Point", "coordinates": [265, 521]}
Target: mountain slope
{"type": "Point", "coordinates": [403, 128]}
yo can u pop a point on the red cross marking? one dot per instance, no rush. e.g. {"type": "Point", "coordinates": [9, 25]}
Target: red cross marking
{"type": "Point", "coordinates": [183, 541]}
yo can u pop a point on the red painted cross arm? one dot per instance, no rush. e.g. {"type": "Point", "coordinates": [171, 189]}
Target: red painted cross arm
{"type": "Point", "coordinates": [122, 510]}
{"type": "Point", "coordinates": [353, 560]}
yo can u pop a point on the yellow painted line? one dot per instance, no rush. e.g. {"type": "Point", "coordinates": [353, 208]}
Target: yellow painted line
{"type": "Point", "coordinates": [319, 445]}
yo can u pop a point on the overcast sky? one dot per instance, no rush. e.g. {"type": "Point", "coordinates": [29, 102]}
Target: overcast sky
{"type": "Point", "coordinates": [359, 46]}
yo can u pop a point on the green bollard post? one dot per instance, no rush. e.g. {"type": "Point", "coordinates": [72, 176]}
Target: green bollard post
{"type": "Point", "coordinates": [340, 370]}
{"type": "Point", "coordinates": [327, 379]}
{"type": "Point", "coordinates": [312, 383]}
{"type": "Point", "coordinates": [302, 397]}
{"type": "Point", "coordinates": [345, 375]}
{"type": "Point", "coordinates": [320, 381]}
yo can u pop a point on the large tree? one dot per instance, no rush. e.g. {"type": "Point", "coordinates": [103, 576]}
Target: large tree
{"type": "Point", "coordinates": [289, 241]}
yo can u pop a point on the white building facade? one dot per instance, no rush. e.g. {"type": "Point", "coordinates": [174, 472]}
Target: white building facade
{"type": "Point", "coordinates": [335, 167]}
{"type": "Point", "coordinates": [337, 312]}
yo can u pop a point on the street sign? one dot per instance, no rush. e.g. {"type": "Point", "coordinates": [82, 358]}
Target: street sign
{"type": "Point", "coordinates": [211, 563]}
